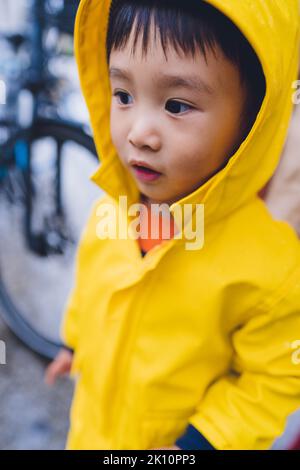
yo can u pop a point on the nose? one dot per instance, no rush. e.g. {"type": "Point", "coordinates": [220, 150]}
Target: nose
{"type": "Point", "coordinates": [144, 133]}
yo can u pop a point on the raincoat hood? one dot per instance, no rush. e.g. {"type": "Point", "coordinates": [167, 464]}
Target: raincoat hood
{"type": "Point", "coordinates": [272, 28]}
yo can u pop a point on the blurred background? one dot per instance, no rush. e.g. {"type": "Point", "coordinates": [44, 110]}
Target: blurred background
{"type": "Point", "coordinates": [46, 157]}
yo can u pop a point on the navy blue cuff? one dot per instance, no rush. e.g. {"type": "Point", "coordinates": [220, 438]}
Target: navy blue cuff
{"type": "Point", "coordinates": [193, 440]}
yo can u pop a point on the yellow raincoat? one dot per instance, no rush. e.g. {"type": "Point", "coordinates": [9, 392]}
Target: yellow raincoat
{"type": "Point", "coordinates": [207, 337]}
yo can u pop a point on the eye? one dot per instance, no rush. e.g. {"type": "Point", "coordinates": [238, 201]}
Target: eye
{"type": "Point", "coordinates": [122, 96]}
{"type": "Point", "coordinates": [175, 107]}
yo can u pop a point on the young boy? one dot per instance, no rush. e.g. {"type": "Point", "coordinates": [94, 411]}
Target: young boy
{"type": "Point", "coordinates": [194, 345]}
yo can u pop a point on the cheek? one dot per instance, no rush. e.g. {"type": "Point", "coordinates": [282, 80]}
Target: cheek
{"type": "Point", "coordinates": [227, 127]}
{"type": "Point", "coordinates": [192, 146]}
{"type": "Point", "coordinates": [196, 132]}
{"type": "Point", "coordinates": [117, 130]}
{"type": "Point", "coordinates": [208, 140]}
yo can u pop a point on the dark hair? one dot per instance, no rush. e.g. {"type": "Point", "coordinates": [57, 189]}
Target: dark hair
{"type": "Point", "coordinates": [189, 25]}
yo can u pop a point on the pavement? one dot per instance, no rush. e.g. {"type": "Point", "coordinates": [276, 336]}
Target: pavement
{"type": "Point", "coordinates": [32, 414]}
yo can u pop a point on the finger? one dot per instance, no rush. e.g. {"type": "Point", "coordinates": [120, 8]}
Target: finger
{"type": "Point", "coordinates": [59, 366]}
{"type": "Point", "coordinates": [52, 372]}
{"type": "Point", "coordinates": [49, 376]}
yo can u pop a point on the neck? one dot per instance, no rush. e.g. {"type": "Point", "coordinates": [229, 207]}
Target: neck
{"type": "Point", "coordinates": [148, 201]}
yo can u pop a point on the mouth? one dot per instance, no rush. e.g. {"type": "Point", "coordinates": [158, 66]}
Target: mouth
{"type": "Point", "coordinates": [144, 172]}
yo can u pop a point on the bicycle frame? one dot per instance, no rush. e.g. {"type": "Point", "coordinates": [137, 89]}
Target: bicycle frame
{"type": "Point", "coordinates": [16, 150]}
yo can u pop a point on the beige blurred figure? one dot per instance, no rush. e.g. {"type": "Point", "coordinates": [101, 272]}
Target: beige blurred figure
{"type": "Point", "coordinates": [282, 194]}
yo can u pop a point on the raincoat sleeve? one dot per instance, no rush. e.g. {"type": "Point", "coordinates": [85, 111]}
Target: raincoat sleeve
{"type": "Point", "coordinates": [69, 327]}
{"type": "Point", "coordinates": [69, 324]}
{"type": "Point", "coordinates": [247, 408]}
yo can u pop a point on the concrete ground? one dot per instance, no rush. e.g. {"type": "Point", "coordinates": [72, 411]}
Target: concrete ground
{"type": "Point", "coordinates": [32, 415]}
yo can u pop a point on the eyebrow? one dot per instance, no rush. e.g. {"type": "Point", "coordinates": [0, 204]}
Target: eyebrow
{"type": "Point", "coordinates": [168, 81]}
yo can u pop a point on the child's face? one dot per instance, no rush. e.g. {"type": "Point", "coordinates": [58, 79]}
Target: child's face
{"type": "Point", "coordinates": [185, 133]}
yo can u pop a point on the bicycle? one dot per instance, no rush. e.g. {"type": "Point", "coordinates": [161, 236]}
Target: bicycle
{"type": "Point", "coordinates": [39, 222]}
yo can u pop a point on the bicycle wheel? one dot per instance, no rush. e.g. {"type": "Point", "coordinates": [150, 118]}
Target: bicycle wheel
{"type": "Point", "coordinates": [33, 287]}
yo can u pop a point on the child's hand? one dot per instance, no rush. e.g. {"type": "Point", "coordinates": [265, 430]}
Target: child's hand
{"type": "Point", "coordinates": [61, 365]}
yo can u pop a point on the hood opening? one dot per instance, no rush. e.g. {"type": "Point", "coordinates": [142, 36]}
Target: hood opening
{"type": "Point", "coordinates": [272, 30]}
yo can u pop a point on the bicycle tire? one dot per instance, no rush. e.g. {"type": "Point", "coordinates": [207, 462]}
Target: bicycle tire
{"type": "Point", "coordinates": [12, 316]}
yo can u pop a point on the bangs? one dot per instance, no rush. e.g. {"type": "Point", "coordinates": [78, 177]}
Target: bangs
{"type": "Point", "coordinates": [181, 26]}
